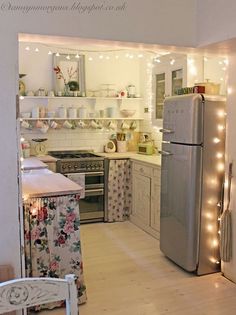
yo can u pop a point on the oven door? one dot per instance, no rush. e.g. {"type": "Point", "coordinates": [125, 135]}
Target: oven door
{"type": "Point", "coordinates": [94, 180]}
{"type": "Point", "coordinates": [92, 206]}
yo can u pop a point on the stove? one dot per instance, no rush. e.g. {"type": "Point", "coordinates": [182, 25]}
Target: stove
{"type": "Point", "coordinates": [77, 161]}
{"type": "Point", "coordinates": [89, 166]}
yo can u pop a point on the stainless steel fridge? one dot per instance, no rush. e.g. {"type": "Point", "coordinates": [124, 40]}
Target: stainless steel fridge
{"type": "Point", "coordinates": [192, 175]}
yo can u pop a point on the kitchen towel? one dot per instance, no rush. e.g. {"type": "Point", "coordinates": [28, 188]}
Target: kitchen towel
{"type": "Point", "coordinates": [78, 178]}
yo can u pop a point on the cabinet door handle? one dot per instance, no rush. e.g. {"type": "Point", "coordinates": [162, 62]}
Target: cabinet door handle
{"type": "Point", "coordinates": [165, 153]}
{"type": "Point", "coordinates": [141, 170]}
{"type": "Point", "coordinates": [166, 130]}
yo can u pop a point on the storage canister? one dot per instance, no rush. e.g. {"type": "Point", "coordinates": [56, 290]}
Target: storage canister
{"type": "Point", "coordinates": [62, 112]}
{"type": "Point", "coordinates": [111, 112]}
{"type": "Point", "coordinates": [35, 112]}
{"type": "Point", "coordinates": [72, 112]}
{"type": "Point", "coordinates": [82, 112]}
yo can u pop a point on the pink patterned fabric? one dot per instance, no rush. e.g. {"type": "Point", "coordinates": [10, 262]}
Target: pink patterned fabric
{"type": "Point", "coordinates": [52, 240]}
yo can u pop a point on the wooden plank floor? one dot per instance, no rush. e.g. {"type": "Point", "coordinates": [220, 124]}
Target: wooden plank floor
{"type": "Point", "coordinates": [126, 274]}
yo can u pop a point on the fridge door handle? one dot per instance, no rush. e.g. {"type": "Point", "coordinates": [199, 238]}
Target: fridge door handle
{"type": "Point", "coordinates": [165, 153]}
{"type": "Point", "coordinates": [166, 130]}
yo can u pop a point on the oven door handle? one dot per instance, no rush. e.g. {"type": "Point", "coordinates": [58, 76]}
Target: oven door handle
{"type": "Point", "coordinates": [94, 192]}
{"type": "Point", "coordinates": [93, 173]}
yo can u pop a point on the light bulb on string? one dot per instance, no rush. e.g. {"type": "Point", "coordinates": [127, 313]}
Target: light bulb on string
{"type": "Point", "coordinates": [57, 54]}
{"type": "Point", "coordinates": [90, 58]}
{"type": "Point", "coordinates": [140, 55]}
{"type": "Point", "coordinates": [101, 57]}
{"type": "Point", "coordinates": [219, 155]}
{"type": "Point", "coordinates": [68, 57]}
{"type": "Point", "coordinates": [77, 56]}
{"type": "Point", "coordinates": [216, 140]}
{"type": "Point", "coordinates": [27, 48]}
{"type": "Point", "coordinates": [36, 49]}
{"type": "Point", "coordinates": [49, 53]}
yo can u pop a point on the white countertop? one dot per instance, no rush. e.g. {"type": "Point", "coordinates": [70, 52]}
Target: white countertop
{"type": "Point", "coordinates": [33, 163]}
{"type": "Point", "coordinates": [151, 159]}
{"type": "Point", "coordinates": [47, 158]}
{"type": "Point", "coordinates": [44, 184]}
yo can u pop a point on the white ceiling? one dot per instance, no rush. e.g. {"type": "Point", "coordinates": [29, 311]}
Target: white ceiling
{"type": "Point", "coordinates": [221, 49]}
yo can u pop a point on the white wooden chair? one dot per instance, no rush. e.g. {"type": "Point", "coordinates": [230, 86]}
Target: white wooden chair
{"type": "Point", "coordinates": [26, 292]}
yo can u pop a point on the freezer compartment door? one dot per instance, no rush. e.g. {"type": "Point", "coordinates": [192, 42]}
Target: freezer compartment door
{"type": "Point", "coordinates": [183, 119]}
{"type": "Point", "coordinates": [180, 203]}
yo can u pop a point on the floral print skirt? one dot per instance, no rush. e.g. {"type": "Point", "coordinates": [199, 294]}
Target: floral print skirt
{"type": "Point", "coordinates": [119, 190]}
{"type": "Point", "coordinates": [52, 240]}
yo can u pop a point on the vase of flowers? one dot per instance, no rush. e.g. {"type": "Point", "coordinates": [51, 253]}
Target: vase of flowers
{"type": "Point", "coordinates": [66, 78]}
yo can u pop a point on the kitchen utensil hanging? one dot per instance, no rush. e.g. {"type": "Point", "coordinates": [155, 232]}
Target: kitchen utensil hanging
{"type": "Point", "coordinates": [226, 224]}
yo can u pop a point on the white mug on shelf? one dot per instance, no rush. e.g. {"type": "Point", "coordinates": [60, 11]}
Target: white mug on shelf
{"type": "Point", "coordinates": [125, 125]}
{"type": "Point", "coordinates": [112, 125]}
{"type": "Point", "coordinates": [67, 125]}
{"type": "Point", "coordinates": [44, 128]}
{"type": "Point", "coordinates": [81, 124]}
{"type": "Point", "coordinates": [26, 125]}
{"type": "Point", "coordinates": [53, 124]}
{"type": "Point", "coordinates": [94, 124]}
{"type": "Point", "coordinates": [39, 124]}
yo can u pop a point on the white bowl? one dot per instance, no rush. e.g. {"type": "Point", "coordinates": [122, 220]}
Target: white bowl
{"type": "Point", "coordinates": [127, 112]}
{"type": "Point", "coordinates": [26, 115]}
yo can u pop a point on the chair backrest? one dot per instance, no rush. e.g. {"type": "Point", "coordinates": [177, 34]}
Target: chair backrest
{"type": "Point", "coordinates": [27, 292]}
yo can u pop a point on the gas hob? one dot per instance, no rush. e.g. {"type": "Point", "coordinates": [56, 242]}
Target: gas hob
{"type": "Point", "coordinates": [77, 161]}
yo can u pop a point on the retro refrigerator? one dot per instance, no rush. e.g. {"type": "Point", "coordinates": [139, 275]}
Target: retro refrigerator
{"type": "Point", "coordinates": [192, 176]}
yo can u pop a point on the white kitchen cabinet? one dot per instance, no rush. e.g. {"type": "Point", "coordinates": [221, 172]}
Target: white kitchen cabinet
{"type": "Point", "coordinates": [146, 197]}
{"type": "Point", "coordinates": [141, 197]}
{"type": "Point", "coordinates": [168, 76]}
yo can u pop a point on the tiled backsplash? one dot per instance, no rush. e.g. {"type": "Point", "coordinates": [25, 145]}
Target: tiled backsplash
{"type": "Point", "coordinates": [87, 139]}
{"type": "Point", "coordinates": [77, 139]}
{"type": "Point", "coordinates": [147, 127]}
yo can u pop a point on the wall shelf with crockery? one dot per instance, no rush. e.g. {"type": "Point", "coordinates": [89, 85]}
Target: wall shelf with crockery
{"type": "Point", "coordinates": [83, 97]}
{"type": "Point", "coordinates": [92, 104]}
{"type": "Point", "coordinates": [94, 118]}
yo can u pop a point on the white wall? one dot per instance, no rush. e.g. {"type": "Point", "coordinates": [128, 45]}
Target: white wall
{"type": "Point", "coordinates": [215, 21]}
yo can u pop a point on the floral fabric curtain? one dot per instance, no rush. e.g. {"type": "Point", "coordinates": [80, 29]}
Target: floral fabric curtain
{"type": "Point", "coordinates": [52, 240]}
{"type": "Point", "coordinates": [119, 190]}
